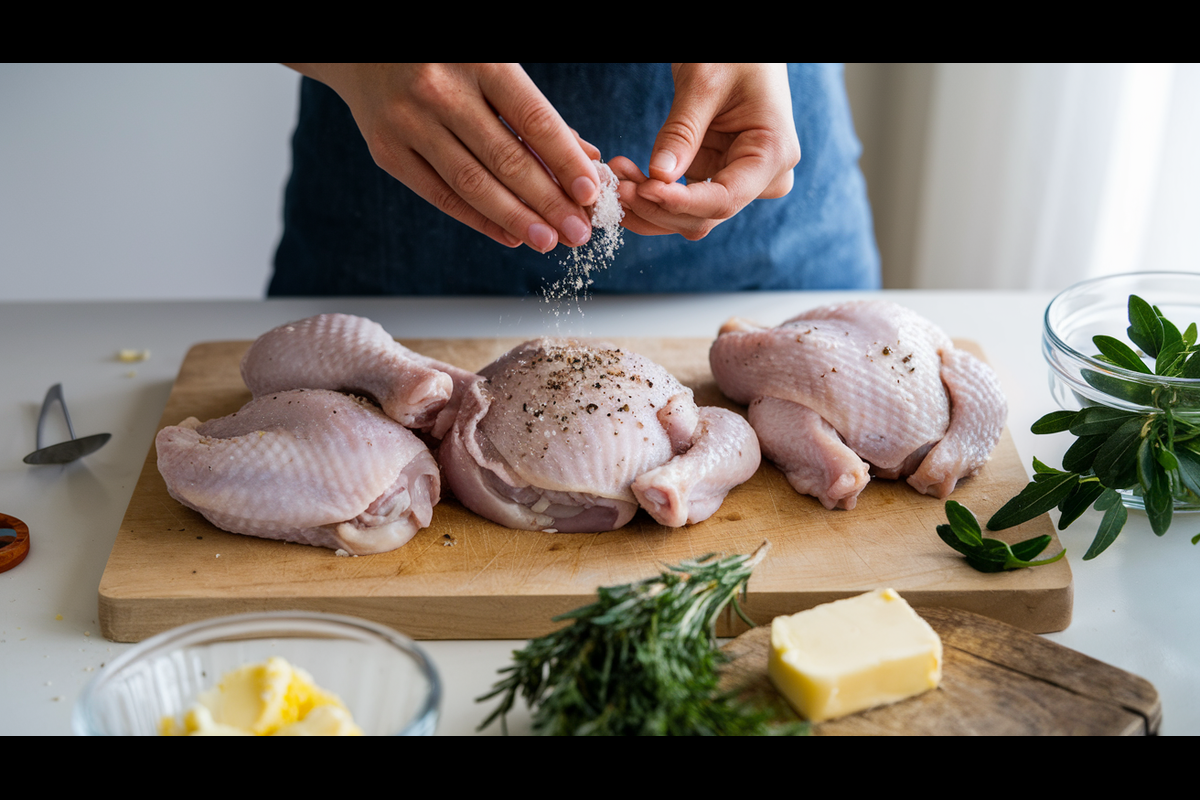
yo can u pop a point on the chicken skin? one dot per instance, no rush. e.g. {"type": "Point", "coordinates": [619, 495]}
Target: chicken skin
{"type": "Point", "coordinates": [344, 353]}
{"type": "Point", "coordinates": [310, 466]}
{"type": "Point", "coordinates": [566, 435]}
{"type": "Point", "coordinates": [846, 391]}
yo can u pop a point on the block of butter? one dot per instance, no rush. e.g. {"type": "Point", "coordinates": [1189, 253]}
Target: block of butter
{"type": "Point", "coordinates": [852, 655]}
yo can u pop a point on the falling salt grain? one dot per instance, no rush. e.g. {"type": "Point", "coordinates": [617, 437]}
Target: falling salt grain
{"type": "Point", "coordinates": [600, 250]}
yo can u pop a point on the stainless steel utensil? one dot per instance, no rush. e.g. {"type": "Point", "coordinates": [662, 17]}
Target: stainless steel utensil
{"type": "Point", "coordinates": [63, 452]}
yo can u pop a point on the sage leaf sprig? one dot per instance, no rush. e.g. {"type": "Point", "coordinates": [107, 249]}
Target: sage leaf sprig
{"type": "Point", "coordinates": [641, 660]}
{"type": "Point", "coordinates": [1155, 452]}
{"type": "Point", "coordinates": [990, 555]}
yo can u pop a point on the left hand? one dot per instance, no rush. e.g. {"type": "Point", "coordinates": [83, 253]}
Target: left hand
{"type": "Point", "coordinates": [730, 132]}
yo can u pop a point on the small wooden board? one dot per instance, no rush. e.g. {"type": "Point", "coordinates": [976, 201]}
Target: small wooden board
{"type": "Point", "coordinates": [997, 680]}
{"type": "Point", "coordinates": [466, 578]}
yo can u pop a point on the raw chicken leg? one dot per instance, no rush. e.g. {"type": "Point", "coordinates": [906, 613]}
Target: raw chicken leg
{"type": "Point", "coordinates": [859, 382]}
{"type": "Point", "coordinates": [345, 353]}
{"type": "Point", "coordinates": [566, 435]}
{"type": "Point", "coordinates": [309, 466]}
{"type": "Point", "coordinates": [691, 486]}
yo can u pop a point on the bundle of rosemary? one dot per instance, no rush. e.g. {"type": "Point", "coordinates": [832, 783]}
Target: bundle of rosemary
{"type": "Point", "coordinates": [641, 660]}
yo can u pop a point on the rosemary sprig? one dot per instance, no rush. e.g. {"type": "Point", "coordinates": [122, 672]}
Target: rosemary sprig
{"type": "Point", "coordinates": [641, 660]}
{"type": "Point", "coordinates": [990, 555]}
{"type": "Point", "coordinates": [1155, 452]}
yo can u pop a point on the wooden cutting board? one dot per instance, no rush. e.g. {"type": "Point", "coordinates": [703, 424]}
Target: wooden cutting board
{"type": "Point", "coordinates": [997, 680]}
{"type": "Point", "coordinates": [466, 578]}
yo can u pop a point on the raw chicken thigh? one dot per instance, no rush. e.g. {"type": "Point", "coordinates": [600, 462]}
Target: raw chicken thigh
{"type": "Point", "coordinates": [309, 466]}
{"type": "Point", "coordinates": [566, 435]}
{"type": "Point", "coordinates": [345, 353]}
{"type": "Point", "coordinates": [844, 391]}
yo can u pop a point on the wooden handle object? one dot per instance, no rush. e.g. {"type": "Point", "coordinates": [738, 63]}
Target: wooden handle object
{"type": "Point", "coordinates": [14, 551]}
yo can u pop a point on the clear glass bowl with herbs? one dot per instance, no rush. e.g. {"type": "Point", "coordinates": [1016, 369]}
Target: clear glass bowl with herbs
{"type": "Point", "coordinates": [1126, 342]}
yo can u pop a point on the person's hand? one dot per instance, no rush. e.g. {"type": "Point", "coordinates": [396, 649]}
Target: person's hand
{"type": "Point", "coordinates": [437, 129]}
{"type": "Point", "coordinates": [731, 133]}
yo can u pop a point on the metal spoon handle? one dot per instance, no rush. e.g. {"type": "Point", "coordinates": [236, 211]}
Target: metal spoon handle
{"type": "Point", "coordinates": [55, 393]}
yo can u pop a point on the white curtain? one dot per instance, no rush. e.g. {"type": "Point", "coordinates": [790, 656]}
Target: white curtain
{"type": "Point", "coordinates": [1040, 175]}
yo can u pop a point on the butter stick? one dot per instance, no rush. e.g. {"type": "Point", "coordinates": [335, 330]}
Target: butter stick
{"type": "Point", "coordinates": [854, 654]}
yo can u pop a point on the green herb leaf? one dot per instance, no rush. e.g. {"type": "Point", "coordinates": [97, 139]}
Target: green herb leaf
{"type": "Point", "coordinates": [1146, 463]}
{"type": "Point", "coordinates": [951, 538]}
{"type": "Point", "coordinates": [1034, 500]}
{"type": "Point", "coordinates": [1170, 358]}
{"type": "Point", "coordinates": [963, 522]}
{"type": "Point", "coordinates": [1078, 501]}
{"type": "Point", "coordinates": [989, 555]}
{"type": "Point", "coordinates": [1116, 461]}
{"type": "Point", "coordinates": [1145, 326]}
{"type": "Point", "coordinates": [1055, 422]}
{"type": "Point", "coordinates": [1100, 419]}
{"type": "Point", "coordinates": [1130, 392]}
{"type": "Point", "coordinates": [1041, 470]}
{"type": "Point", "coordinates": [1159, 503]}
{"type": "Point", "coordinates": [1171, 335]}
{"type": "Point", "coordinates": [1189, 470]}
{"type": "Point", "coordinates": [1082, 454]}
{"type": "Point", "coordinates": [1167, 459]}
{"type": "Point", "coordinates": [1030, 548]}
{"type": "Point", "coordinates": [1120, 354]}
{"type": "Point", "coordinates": [1115, 515]}
{"type": "Point", "coordinates": [1191, 367]}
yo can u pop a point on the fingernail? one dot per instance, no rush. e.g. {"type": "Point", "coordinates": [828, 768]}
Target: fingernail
{"type": "Point", "coordinates": [664, 161]}
{"type": "Point", "coordinates": [541, 236]}
{"type": "Point", "coordinates": [584, 191]}
{"type": "Point", "coordinates": [576, 230]}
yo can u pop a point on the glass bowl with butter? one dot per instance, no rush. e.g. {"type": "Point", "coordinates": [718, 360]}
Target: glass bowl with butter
{"type": "Point", "coordinates": [269, 673]}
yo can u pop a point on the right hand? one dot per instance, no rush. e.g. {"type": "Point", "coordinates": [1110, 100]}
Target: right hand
{"type": "Point", "coordinates": [436, 128]}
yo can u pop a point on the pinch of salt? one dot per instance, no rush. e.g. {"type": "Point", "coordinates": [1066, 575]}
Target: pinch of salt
{"type": "Point", "coordinates": [601, 249]}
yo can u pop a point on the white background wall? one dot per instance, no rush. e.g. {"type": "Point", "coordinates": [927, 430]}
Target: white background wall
{"type": "Point", "coordinates": [142, 181]}
{"type": "Point", "coordinates": [1014, 176]}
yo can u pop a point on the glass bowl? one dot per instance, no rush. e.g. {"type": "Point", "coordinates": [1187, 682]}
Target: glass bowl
{"type": "Point", "coordinates": [1101, 306]}
{"type": "Point", "coordinates": [386, 681]}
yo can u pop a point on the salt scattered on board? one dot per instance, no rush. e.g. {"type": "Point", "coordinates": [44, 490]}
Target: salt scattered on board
{"type": "Point", "coordinates": [600, 250]}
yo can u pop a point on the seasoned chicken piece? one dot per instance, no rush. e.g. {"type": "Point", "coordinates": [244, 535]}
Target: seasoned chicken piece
{"type": "Point", "coordinates": [863, 385]}
{"type": "Point", "coordinates": [566, 435]}
{"type": "Point", "coordinates": [309, 466]}
{"type": "Point", "coordinates": [345, 353]}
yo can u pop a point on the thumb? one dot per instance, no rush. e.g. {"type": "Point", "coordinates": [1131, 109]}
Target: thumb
{"type": "Point", "coordinates": [681, 136]}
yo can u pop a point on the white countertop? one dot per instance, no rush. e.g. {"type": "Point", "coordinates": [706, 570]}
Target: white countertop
{"type": "Point", "coordinates": [1137, 606]}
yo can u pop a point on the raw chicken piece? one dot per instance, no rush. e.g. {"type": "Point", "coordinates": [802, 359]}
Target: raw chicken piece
{"type": "Point", "coordinates": [566, 435]}
{"type": "Point", "coordinates": [860, 386]}
{"type": "Point", "coordinates": [345, 353]}
{"type": "Point", "coordinates": [309, 466]}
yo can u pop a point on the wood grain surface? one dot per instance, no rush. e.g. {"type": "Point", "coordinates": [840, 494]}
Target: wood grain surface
{"type": "Point", "coordinates": [466, 578]}
{"type": "Point", "coordinates": [997, 680]}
